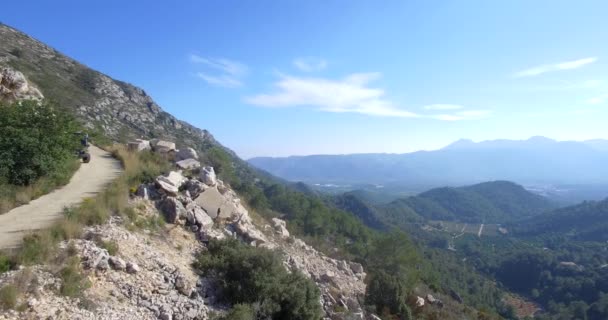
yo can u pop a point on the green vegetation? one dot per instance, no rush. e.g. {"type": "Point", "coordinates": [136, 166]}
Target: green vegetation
{"type": "Point", "coordinates": [37, 146]}
{"type": "Point", "coordinates": [489, 202]}
{"type": "Point", "coordinates": [8, 296]}
{"type": "Point", "coordinates": [586, 222]}
{"type": "Point", "coordinates": [255, 281]}
{"type": "Point", "coordinates": [111, 246]}
{"type": "Point", "coordinates": [385, 255]}
{"type": "Point", "coordinates": [73, 281]}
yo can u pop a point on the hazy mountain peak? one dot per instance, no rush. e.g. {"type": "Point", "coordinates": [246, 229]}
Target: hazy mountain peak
{"type": "Point", "coordinates": [461, 143]}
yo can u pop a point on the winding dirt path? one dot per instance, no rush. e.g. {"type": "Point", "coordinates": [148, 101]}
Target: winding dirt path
{"type": "Point", "coordinates": [90, 179]}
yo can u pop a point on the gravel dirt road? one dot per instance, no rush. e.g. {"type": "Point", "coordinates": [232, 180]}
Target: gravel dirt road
{"type": "Point", "coordinates": [90, 179]}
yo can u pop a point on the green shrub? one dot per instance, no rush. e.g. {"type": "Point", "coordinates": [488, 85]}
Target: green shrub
{"type": "Point", "coordinates": [36, 140]}
{"type": "Point", "coordinates": [256, 276]}
{"type": "Point", "coordinates": [8, 296]}
{"type": "Point", "coordinates": [73, 280]}
{"type": "Point", "coordinates": [36, 248]}
{"type": "Point", "coordinates": [111, 246]}
{"type": "Point", "coordinates": [6, 263]}
{"type": "Point", "coordinates": [241, 312]}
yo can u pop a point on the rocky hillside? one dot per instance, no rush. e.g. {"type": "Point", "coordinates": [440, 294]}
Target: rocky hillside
{"type": "Point", "coordinates": [149, 273]}
{"type": "Point", "coordinates": [117, 109]}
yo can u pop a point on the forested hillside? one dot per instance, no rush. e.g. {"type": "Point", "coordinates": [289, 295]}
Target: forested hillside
{"type": "Point", "coordinates": [489, 202]}
{"type": "Point", "coordinates": [587, 221]}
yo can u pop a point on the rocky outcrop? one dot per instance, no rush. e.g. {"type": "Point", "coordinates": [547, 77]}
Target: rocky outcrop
{"type": "Point", "coordinates": [14, 86]}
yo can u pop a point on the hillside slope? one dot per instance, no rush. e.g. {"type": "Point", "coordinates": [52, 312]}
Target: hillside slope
{"type": "Point", "coordinates": [495, 201]}
{"type": "Point", "coordinates": [587, 221]}
{"type": "Point", "coordinates": [114, 108]}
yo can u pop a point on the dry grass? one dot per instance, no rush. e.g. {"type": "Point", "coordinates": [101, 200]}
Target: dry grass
{"type": "Point", "coordinates": [13, 196]}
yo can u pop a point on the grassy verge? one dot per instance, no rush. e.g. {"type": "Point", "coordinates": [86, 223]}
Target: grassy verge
{"type": "Point", "coordinates": [42, 246]}
{"type": "Point", "coordinates": [12, 196]}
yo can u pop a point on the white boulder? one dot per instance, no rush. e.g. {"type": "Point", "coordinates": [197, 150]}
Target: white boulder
{"type": "Point", "coordinates": [208, 176]}
{"type": "Point", "coordinates": [139, 145]}
{"type": "Point", "coordinates": [188, 164]}
{"type": "Point", "coordinates": [186, 153]}
{"type": "Point", "coordinates": [280, 227]}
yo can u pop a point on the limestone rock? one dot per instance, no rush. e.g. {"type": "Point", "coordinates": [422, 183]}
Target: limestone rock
{"type": "Point", "coordinates": [208, 176]}
{"type": "Point", "coordinates": [186, 153]}
{"type": "Point", "coordinates": [188, 164]}
{"type": "Point", "coordinates": [356, 267]}
{"type": "Point", "coordinates": [198, 216]}
{"type": "Point", "coordinates": [132, 267]}
{"type": "Point", "coordinates": [217, 205]}
{"type": "Point", "coordinates": [164, 146]}
{"type": "Point", "coordinates": [195, 187]}
{"type": "Point", "coordinates": [280, 227]}
{"type": "Point", "coordinates": [171, 182]}
{"type": "Point", "coordinates": [14, 86]}
{"type": "Point", "coordinates": [139, 145]}
{"type": "Point", "coordinates": [117, 263]}
{"type": "Point", "coordinates": [172, 209]}
{"type": "Point", "coordinates": [419, 302]}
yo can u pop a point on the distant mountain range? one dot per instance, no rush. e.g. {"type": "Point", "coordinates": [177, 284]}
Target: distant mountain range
{"type": "Point", "coordinates": [536, 161]}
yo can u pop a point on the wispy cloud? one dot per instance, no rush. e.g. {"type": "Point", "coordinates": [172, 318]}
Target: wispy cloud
{"type": "Point", "coordinates": [443, 107]}
{"type": "Point", "coordinates": [598, 99]}
{"type": "Point", "coordinates": [220, 71]}
{"type": "Point", "coordinates": [351, 94]}
{"type": "Point", "coordinates": [310, 64]}
{"type": "Point", "coordinates": [221, 80]}
{"type": "Point", "coordinates": [565, 65]}
{"type": "Point", "coordinates": [463, 115]}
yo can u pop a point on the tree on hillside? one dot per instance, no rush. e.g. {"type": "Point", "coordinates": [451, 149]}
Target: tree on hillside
{"type": "Point", "coordinates": [36, 140]}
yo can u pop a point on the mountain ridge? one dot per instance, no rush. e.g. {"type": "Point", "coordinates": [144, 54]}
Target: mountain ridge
{"type": "Point", "coordinates": [537, 160]}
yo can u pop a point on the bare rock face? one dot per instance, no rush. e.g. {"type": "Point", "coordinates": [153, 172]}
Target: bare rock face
{"type": "Point", "coordinates": [14, 86]}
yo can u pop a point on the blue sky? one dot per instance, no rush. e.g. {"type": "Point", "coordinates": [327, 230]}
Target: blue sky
{"type": "Point", "coordinates": [309, 77]}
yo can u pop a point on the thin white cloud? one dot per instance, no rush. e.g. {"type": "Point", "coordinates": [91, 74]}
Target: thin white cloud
{"type": "Point", "coordinates": [443, 107]}
{"type": "Point", "coordinates": [310, 64]}
{"type": "Point", "coordinates": [351, 94]}
{"type": "Point", "coordinates": [220, 71]}
{"type": "Point", "coordinates": [463, 115]}
{"type": "Point", "coordinates": [598, 100]}
{"type": "Point", "coordinates": [221, 80]}
{"type": "Point", "coordinates": [565, 65]}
